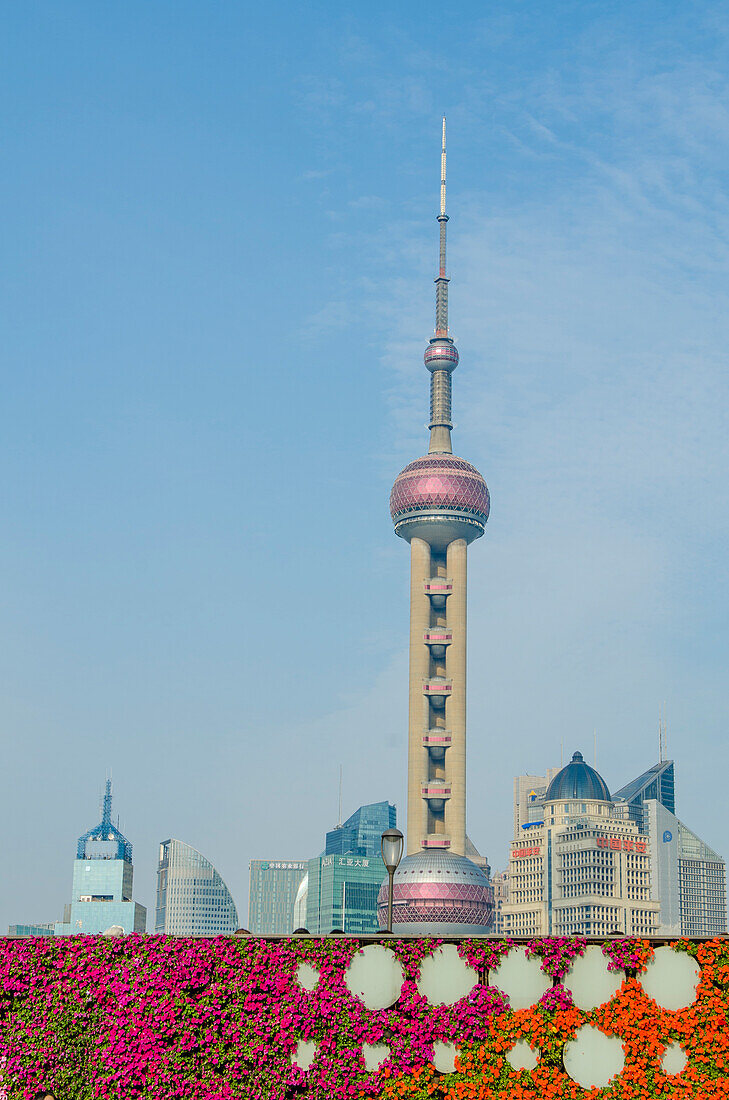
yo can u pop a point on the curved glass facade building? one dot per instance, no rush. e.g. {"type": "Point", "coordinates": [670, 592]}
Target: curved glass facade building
{"type": "Point", "coordinates": [300, 903]}
{"type": "Point", "coordinates": [192, 899]}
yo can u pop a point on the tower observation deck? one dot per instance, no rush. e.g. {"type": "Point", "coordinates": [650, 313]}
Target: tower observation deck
{"type": "Point", "coordinates": [439, 504]}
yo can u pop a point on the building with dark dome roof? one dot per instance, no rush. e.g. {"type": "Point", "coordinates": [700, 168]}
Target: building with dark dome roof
{"type": "Point", "coordinates": [578, 780]}
{"type": "Point", "coordinates": [579, 864]}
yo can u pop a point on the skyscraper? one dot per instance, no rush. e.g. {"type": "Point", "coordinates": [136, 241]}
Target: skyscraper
{"type": "Point", "coordinates": [580, 865]}
{"type": "Point", "coordinates": [273, 885]}
{"type": "Point", "coordinates": [192, 899]}
{"type": "Point", "coordinates": [342, 893]}
{"type": "Point", "coordinates": [658, 782]}
{"type": "Point", "coordinates": [103, 876]}
{"type": "Point", "coordinates": [688, 877]}
{"type": "Point", "coordinates": [439, 504]}
{"type": "Point", "coordinates": [664, 861]}
{"type": "Point", "coordinates": [361, 834]}
{"type": "Point", "coordinates": [500, 887]}
{"type": "Point", "coordinates": [343, 883]}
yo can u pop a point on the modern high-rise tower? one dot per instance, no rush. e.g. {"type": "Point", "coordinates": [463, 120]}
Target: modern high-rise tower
{"type": "Point", "coordinates": [103, 876]}
{"type": "Point", "coordinates": [439, 504]}
{"type": "Point", "coordinates": [192, 899]}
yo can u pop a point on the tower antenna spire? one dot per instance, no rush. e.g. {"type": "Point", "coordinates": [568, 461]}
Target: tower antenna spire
{"type": "Point", "coordinates": [441, 355]}
{"type": "Point", "coordinates": [443, 172]}
{"type": "Point", "coordinates": [441, 283]}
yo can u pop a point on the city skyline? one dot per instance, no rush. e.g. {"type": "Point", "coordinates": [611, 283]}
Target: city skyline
{"type": "Point", "coordinates": [209, 354]}
{"type": "Point", "coordinates": [656, 782]}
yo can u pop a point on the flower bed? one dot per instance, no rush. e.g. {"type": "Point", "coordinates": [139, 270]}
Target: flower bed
{"type": "Point", "coordinates": [160, 1018]}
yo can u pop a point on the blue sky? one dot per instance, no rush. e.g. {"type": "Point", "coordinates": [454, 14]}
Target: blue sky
{"type": "Point", "coordinates": [219, 243]}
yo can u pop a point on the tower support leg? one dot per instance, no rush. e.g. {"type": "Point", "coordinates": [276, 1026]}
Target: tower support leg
{"type": "Point", "coordinates": [419, 707]}
{"type": "Point", "coordinates": [456, 706]}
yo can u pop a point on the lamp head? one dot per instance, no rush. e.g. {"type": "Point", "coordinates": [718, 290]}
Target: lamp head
{"type": "Point", "coordinates": [392, 845]}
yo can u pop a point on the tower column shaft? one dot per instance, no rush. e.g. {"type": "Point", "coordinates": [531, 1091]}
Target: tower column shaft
{"type": "Point", "coordinates": [441, 307]}
{"type": "Point", "coordinates": [440, 412]}
{"type": "Point", "coordinates": [442, 252]}
{"type": "Point", "coordinates": [440, 399]}
{"type": "Point", "coordinates": [419, 708]}
{"type": "Point", "coordinates": [455, 819]}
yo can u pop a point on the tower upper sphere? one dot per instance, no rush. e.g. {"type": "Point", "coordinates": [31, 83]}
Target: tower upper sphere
{"type": "Point", "coordinates": [441, 354]}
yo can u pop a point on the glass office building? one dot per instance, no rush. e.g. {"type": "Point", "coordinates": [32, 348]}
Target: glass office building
{"type": "Point", "coordinates": [273, 887]}
{"type": "Point", "coordinates": [688, 876]}
{"type": "Point", "coordinates": [658, 783]}
{"type": "Point", "coordinates": [28, 930]}
{"type": "Point", "coordinates": [344, 882]}
{"type": "Point", "coordinates": [192, 899]}
{"type": "Point", "coordinates": [342, 893]}
{"type": "Point", "coordinates": [103, 876]}
{"type": "Point", "coordinates": [361, 833]}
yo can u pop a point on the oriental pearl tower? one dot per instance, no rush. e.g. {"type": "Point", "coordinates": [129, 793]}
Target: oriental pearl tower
{"type": "Point", "coordinates": [439, 504]}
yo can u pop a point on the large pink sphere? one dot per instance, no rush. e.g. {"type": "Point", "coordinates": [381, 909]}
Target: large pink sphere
{"type": "Point", "coordinates": [438, 893]}
{"type": "Point", "coordinates": [440, 491]}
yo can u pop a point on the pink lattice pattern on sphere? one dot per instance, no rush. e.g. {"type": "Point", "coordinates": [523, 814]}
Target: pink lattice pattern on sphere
{"type": "Point", "coordinates": [441, 914]}
{"type": "Point", "coordinates": [440, 482]}
{"type": "Point", "coordinates": [451, 891]}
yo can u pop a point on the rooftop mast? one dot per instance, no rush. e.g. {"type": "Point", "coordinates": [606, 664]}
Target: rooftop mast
{"type": "Point", "coordinates": [106, 811]}
{"type": "Point", "coordinates": [441, 356]}
{"type": "Point", "coordinates": [441, 283]}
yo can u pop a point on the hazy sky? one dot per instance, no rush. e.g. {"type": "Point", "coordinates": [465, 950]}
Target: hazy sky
{"type": "Point", "coordinates": [219, 240]}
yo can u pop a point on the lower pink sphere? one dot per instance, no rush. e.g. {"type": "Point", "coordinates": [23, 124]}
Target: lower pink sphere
{"type": "Point", "coordinates": [440, 893]}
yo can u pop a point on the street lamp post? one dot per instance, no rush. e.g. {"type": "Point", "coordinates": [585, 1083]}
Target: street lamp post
{"type": "Point", "coordinates": [392, 843]}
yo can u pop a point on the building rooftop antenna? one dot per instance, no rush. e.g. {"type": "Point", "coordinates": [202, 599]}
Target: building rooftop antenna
{"type": "Point", "coordinates": [339, 822]}
{"type": "Point", "coordinates": [662, 734]}
{"type": "Point", "coordinates": [106, 810]}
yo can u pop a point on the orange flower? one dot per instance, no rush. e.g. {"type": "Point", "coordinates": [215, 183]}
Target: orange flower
{"type": "Point", "coordinates": [646, 1029]}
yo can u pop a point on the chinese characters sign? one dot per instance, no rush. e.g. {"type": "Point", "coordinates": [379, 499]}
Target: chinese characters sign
{"type": "Point", "coordinates": [344, 861]}
{"type": "Point", "coordinates": [617, 844]}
